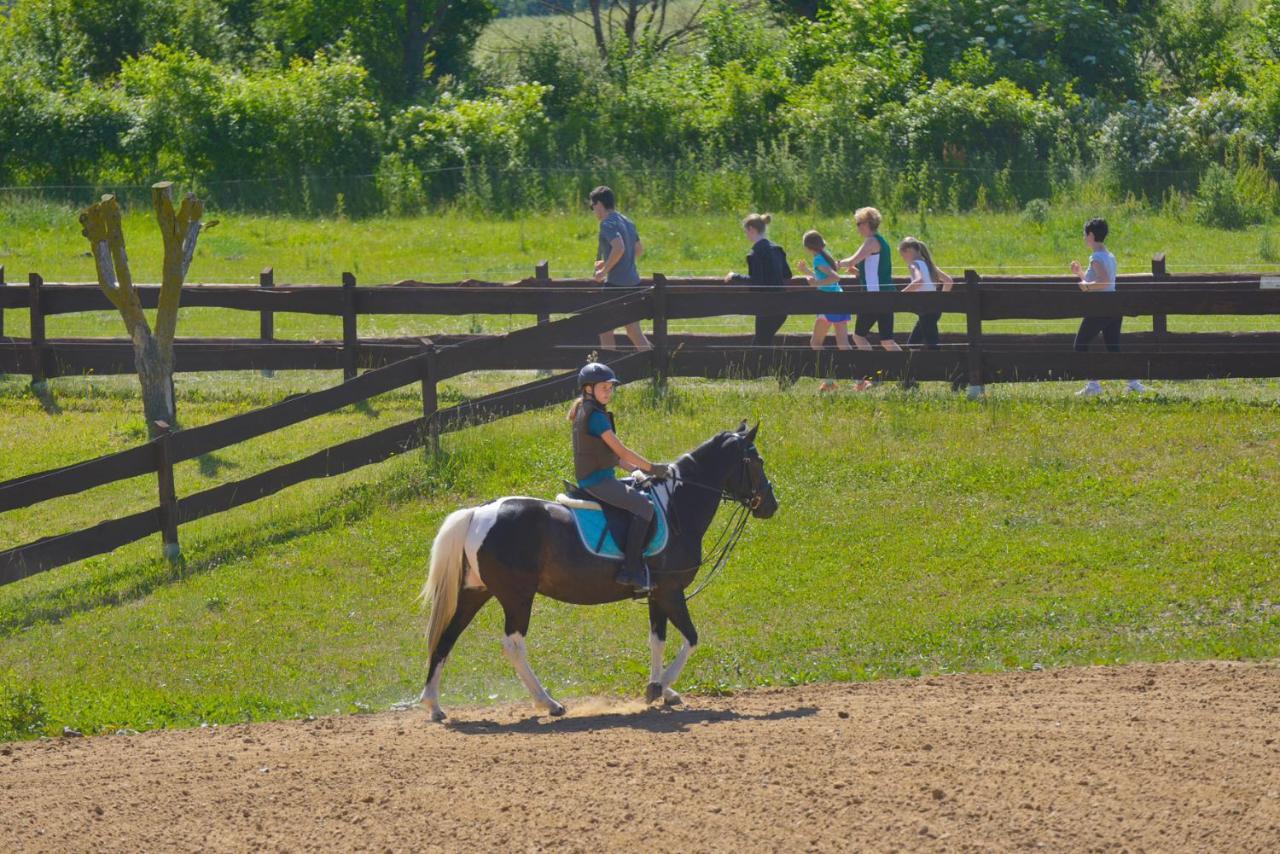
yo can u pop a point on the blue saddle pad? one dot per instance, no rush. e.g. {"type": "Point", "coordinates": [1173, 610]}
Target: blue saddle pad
{"type": "Point", "coordinates": [597, 534]}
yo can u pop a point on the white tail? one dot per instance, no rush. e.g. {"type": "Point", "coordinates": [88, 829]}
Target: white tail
{"type": "Point", "coordinates": [444, 581]}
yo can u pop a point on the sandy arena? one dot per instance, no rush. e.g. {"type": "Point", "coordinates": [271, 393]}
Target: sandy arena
{"type": "Point", "coordinates": [1157, 758]}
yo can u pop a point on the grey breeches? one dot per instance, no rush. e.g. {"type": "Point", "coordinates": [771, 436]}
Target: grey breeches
{"type": "Point", "coordinates": [621, 495]}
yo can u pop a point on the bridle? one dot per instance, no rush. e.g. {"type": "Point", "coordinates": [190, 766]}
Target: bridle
{"type": "Point", "coordinates": [753, 470]}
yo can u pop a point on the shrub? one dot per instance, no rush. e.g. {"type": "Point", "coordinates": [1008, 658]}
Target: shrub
{"type": "Point", "coordinates": [476, 146]}
{"type": "Point", "coordinates": [1235, 200]}
{"type": "Point", "coordinates": [973, 133]}
{"type": "Point", "coordinates": [22, 712]}
{"type": "Point", "coordinates": [1036, 211]}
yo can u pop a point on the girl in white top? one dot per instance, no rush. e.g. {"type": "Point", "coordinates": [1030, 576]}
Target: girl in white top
{"type": "Point", "coordinates": [925, 276]}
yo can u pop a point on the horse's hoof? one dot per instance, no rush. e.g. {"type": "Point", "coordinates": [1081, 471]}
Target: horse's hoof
{"type": "Point", "coordinates": [556, 711]}
{"type": "Point", "coordinates": [653, 693]}
{"type": "Point", "coordinates": [438, 716]}
{"type": "Point", "coordinates": [672, 699]}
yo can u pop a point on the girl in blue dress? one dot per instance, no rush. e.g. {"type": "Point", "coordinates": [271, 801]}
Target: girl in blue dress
{"type": "Point", "coordinates": [824, 277]}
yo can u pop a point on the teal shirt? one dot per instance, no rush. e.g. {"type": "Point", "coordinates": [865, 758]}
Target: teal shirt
{"type": "Point", "coordinates": [597, 425]}
{"type": "Point", "coordinates": [825, 276]}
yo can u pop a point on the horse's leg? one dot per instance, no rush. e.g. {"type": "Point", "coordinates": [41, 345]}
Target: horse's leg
{"type": "Point", "coordinates": [513, 647]}
{"type": "Point", "coordinates": [657, 642]}
{"type": "Point", "coordinates": [678, 611]}
{"type": "Point", "coordinates": [470, 601]}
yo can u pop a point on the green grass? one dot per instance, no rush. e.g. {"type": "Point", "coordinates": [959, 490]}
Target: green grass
{"type": "Point", "coordinates": [919, 533]}
{"type": "Point", "coordinates": [444, 248]}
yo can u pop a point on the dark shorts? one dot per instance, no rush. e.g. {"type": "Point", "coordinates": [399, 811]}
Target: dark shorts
{"type": "Point", "coordinates": [866, 321]}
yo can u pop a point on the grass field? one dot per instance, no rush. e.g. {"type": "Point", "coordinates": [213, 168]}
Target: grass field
{"type": "Point", "coordinates": [919, 533]}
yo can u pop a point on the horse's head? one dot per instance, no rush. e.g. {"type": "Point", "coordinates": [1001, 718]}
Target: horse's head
{"type": "Point", "coordinates": [747, 481]}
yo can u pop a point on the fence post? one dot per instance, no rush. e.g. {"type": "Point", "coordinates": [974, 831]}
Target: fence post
{"type": "Point", "coordinates": [973, 316]}
{"type": "Point", "coordinates": [2, 284]}
{"type": "Point", "coordinates": [542, 273]}
{"type": "Point", "coordinates": [168, 494]}
{"type": "Point", "coordinates": [266, 317]}
{"type": "Point", "coordinates": [1159, 322]}
{"type": "Point", "coordinates": [350, 342]}
{"type": "Point", "coordinates": [660, 351]}
{"type": "Point", "coordinates": [36, 282]}
{"type": "Point", "coordinates": [430, 398]}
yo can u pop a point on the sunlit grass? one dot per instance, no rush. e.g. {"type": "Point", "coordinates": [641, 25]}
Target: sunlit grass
{"type": "Point", "coordinates": [919, 533]}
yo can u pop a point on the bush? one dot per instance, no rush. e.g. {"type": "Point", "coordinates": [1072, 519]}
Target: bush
{"type": "Point", "coordinates": [1036, 211]}
{"type": "Point", "coordinates": [998, 136]}
{"type": "Point", "coordinates": [1235, 200]}
{"type": "Point", "coordinates": [196, 117]}
{"type": "Point", "coordinates": [475, 146]}
{"type": "Point", "coordinates": [22, 713]}
{"type": "Point", "coordinates": [1149, 148]}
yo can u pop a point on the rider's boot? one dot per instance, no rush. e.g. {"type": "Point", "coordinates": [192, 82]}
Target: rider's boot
{"type": "Point", "coordinates": [633, 572]}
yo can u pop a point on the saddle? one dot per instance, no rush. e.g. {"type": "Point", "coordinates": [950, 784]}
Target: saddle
{"type": "Point", "coordinates": [603, 528]}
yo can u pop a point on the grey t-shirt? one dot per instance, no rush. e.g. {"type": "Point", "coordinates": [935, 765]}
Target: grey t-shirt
{"type": "Point", "coordinates": [1108, 263]}
{"type": "Point", "coordinates": [624, 272]}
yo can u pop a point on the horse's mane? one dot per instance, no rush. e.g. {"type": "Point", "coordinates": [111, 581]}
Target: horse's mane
{"type": "Point", "coordinates": [699, 454]}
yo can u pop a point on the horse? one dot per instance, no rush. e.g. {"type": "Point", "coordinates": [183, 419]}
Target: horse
{"type": "Point", "coordinates": [516, 547]}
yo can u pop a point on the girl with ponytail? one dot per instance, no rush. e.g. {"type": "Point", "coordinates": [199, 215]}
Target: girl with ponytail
{"type": "Point", "coordinates": [925, 276]}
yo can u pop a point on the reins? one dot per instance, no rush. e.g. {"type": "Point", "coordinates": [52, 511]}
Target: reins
{"type": "Point", "coordinates": [729, 534]}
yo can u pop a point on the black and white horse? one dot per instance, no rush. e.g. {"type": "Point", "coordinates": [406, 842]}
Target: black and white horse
{"type": "Point", "coordinates": [514, 548]}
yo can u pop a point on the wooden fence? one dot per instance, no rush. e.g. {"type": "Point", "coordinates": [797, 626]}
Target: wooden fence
{"type": "Point", "coordinates": [998, 297]}
{"type": "Point", "coordinates": [975, 358]}
{"type": "Point", "coordinates": [159, 456]}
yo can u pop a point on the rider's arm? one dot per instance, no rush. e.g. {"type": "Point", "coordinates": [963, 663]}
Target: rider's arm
{"type": "Point", "coordinates": [629, 458]}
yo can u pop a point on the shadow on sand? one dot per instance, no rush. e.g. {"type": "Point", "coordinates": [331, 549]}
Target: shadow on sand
{"type": "Point", "coordinates": [655, 719]}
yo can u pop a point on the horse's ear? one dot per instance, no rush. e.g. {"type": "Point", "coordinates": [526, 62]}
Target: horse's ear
{"type": "Point", "coordinates": [750, 438]}
{"type": "Point", "coordinates": [742, 428]}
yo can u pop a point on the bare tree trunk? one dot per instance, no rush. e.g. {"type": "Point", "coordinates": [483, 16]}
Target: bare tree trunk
{"type": "Point", "coordinates": [152, 351]}
{"type": "Point", "coordinates": [597, 27]}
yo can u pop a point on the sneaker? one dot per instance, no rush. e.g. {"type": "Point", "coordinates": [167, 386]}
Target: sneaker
{"type": "Point", "coordinates": [1091, 389]}
{"type": "Point", "coordinates": [827, 387]}
{"type": "Point", "coordinates": [1137, 387]}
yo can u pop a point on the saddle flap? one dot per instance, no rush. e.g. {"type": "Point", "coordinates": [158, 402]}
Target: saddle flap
{"type": "Point", "coordinates": [602, 527]}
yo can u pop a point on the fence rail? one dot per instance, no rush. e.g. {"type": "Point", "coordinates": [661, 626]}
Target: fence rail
{"type": "Point", "coordinates": [1158, 294]}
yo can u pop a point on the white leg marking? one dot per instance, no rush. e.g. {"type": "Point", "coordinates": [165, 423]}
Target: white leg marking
{"type": "Point", "coordinates": [513, 647]}
{"type": "Point", "coordinates": [656, 646]}
{"type": "Point", "coordinates": [431, 693]}
{"type": "Point", "coordinates": [672, 673]}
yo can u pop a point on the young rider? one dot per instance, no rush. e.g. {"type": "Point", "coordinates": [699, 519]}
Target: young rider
{"type": "Point", "coordinates": [597, 452]}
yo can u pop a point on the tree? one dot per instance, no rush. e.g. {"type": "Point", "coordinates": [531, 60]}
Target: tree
{"type": "Point", "coordinates": [403, 43]}
{"type": "Point", "coordinates": [152, 350]}
{"type": "Point", "coordinates": [629, 22]}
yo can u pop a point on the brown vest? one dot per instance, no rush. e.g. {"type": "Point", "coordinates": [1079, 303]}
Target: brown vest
{"type": "Point", "coordinates": [590, 453]}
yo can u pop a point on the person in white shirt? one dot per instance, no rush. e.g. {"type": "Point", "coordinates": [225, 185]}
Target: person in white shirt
{"type": "Point", "coordinates": [1100, 276]}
